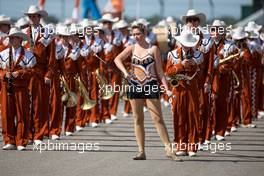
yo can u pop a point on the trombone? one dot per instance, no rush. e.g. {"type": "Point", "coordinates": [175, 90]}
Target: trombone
{"type": "Point", "coordinates": [88, 103]}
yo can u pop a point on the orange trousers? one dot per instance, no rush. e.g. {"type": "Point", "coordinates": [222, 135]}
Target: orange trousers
{"type": "Point", "coordinates": [15, 106]}
{"type": "Point", "coordinates": [127, 106]}
{"type": "Point", "coordinates": [80, 114]}
{"type": "Point", "coordinates": [185, 109]}
{"type": "Point", "coordinates": [222, 104]}
{"type": "Point", "coordinates": [40, 108]}
{"type": "Point", "coordinates": [56, 111]}
{"type": "Point", "coordinates": [94, 91]}
{"type": "Point", "coordinates": [69, 125]}
{"type": "Point", "coordinates": [234, 114]}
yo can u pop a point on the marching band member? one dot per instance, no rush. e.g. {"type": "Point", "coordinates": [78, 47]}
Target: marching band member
{"type": "Point", "coordinates": [185, 106]}
{"type": "Point", "coordinates": [42, 45]}
{"type": "Point", "coordinates": [5, 25]}
{"type": "Point", "coordinates": [56, 109]}
{"type": "Point", "coordinates": [127, 40]}
{"type": "Point", "coordinates": [70, 66]}
{"type": "Point", "coordinates": [223, 77]}
{"type": "Point", "coordinates": [146, 68]}
{"type": "Point", "coordinates": [192, 21]}
{"type": "Point", "coordinates": [92, 48]}
{"type": "Point", "coordinates": [241, 70]}
{"type": "Point", "coordinates": [255, 70]}
{"type": "Point", "coordinates": [112, 47]}
{"type": "Point", "coordinates": [16, 64]}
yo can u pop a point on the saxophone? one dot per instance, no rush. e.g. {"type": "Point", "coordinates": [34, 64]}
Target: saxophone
{"type": "Point", "coordinates": [174, 79]}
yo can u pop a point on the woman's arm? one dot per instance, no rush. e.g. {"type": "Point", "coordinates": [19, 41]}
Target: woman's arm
{"type": "Point", "coordinates": [158, 65]}
{"type": "Point", "coordinates": [121, 57]}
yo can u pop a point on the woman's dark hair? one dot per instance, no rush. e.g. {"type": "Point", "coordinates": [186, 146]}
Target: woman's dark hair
{"type": "Point", "coordinates": [139, 26]}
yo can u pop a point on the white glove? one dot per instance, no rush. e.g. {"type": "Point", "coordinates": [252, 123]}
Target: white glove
{"type": "Point", "coordinates": [117, 41]}
{"type": "Point", "coordinates": [96, 48]}
{"type": "Point", "coordinates": [85, 51]}
{"type": "Point", "coordinates": [108, 48]}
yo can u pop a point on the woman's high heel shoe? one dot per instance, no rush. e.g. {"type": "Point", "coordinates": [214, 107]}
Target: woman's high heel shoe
{"type": "Point", "coordinates": [171, 154]}
{"type": "Point", "coordinates": [140, 156]}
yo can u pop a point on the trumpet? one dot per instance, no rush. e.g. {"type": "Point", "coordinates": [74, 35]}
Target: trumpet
{"type": "Point", "coordinates": [107, 94]}
{"type": "Point", "coordinates": [174, 79]}
{"type": "Point", "coordinates": [88, 103]}
{"type": "Point", "coordinates": [69, 97]}
{"type": "Point", "coordinates": [230, 57]}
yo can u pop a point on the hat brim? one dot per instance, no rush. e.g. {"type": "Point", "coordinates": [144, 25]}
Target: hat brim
{"type": "Point", "coordinates": [239, 37]}
{"type": "Point", "coordinates": [20, 35]}
{"type": "Point", "coordinates": [189, 44]}
{"type": "Point", "coordinates": [249, 29]}
{"type": "Point", "coordinates": [42, 13]}
{"type": "Point", "coordinates": [114, 20]}
{"type": "Point", "coordinates": [8, 22]}
{"type": "Point", "coordinates": [201, 16]}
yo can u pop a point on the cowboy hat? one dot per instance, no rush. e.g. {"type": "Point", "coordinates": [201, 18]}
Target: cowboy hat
{"type": "Point", "coordinates": [99, 27]}
{"type": "Point", "coordinates": [252, 26]}
{"type": "Point", "coordinates": [218, 23]}
{"type": "Point", "coordinates": [22, 22]}
{"type": "Point", "coordinates": [239, 33]}
{"type": "Point", "coordinates": [5, 20]}
{"type": "Point", "coordinates": [62, 30]}
{"type": "Point", "coordinates": [143, 21]}
{"type": "Point", "coordinates": [187, 39]}
{"type": "Point", "coordinates": [15, 32]}
{"type": "Point", "coordinates": [193, 13]}
{"type": "Point", "coordinates": [88, 23]}
{"type": "Point", "coordinates": [121, 24]}
{"type": "Point", "coordinates": [75, 29]}
{"type": "Point", "coordinates": [35, 10]}
{"type": "Point", "coordinates": [108, 18]}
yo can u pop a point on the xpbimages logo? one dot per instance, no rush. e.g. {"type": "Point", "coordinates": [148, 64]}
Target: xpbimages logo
{"type": "Point", "coordinates": [144, 90]}
{"type": "Point", "coordinates": [210, 147]}
{"type": "Point", "coordinates": [59, 146]}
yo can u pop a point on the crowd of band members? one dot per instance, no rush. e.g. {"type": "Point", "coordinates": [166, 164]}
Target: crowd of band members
{"type": "Point", "coordinates": [219, 98]}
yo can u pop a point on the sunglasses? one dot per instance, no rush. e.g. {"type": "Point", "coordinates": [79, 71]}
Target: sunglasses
{"type": "Point", "coordinates": [190, 19]}
{"type": "Point", "coordinates": [137, 34]}
{"type": "Point", "coordinates": [33, 16]}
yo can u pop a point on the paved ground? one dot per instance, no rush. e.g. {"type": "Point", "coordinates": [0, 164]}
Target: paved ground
{"type": "Point", "coordinates": [117, 146]}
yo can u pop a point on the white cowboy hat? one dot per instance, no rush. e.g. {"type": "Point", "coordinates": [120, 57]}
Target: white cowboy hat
{"type": "Point", "coordinates": [170, 19]}
{"type": "Point", "coordinates": [252, 26]}
{"type": "Point", "coordinates": [108, 18]}
{"type": "Point", "coordinates": [193, 13]}
{"type": "Point", "coordinates": [15, 32]}
{"type": "Point", "coordinates": [22, 22]}
{"type": "Point", "coordinates": [75, 29]}
{"type": "Point", "coordinates": [218, 23]}
{"type": "Point", "coordinates": [63, 30]}
{"type": "Point", "coordinates": [239, 33]}
{"type": "Point", "coordinates": [143, 21]}
{"type": "Point", "coordinates": [88, 23]}
{"type": "Point", "coordinates": [35, 10]}
{"type": "Point", "coordinates": [99, 27]}
{"type": "Point", "coordinates": [121, 24]}
{"type": "Point", "coordinates": [187, 38]}
{"type": "Point", "coordinates": [5, 20]}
